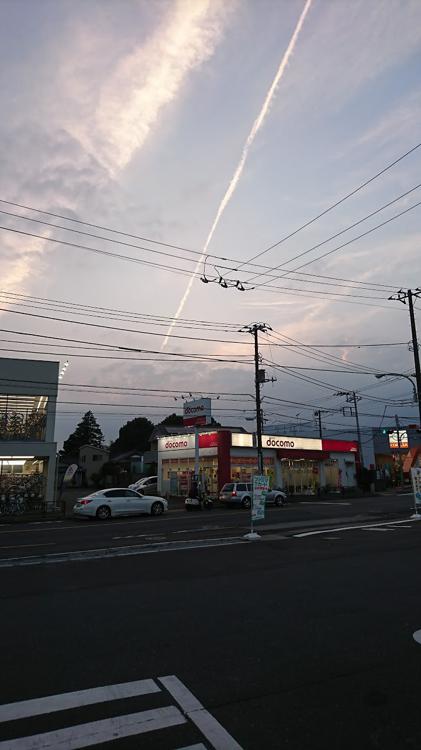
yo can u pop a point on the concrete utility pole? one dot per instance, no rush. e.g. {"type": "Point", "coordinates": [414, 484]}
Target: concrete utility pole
{"type": "Point", "coordinates": [259, 378]}
{"type": "Point", "coordinates": [403, 296]}
{"type": "Point", "coordinates": [318, 414]}
{"type": "Point", "coordinates": [353, 398]}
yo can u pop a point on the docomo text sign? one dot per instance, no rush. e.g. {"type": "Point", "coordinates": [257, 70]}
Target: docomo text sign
{"type": "Point", "coordinates": [291, 443]}
{"type": "Point", "coordinates": [201, 407]}
{"type": "Point", "coordinates": [176, 444]}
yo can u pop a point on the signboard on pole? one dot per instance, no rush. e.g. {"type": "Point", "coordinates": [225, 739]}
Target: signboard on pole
{"type": "Point", "coordinates": [70, 472]}
{"type": "Point", "coordinates": [260, 488]}
{"type": "Point", "coordinates": [416, 488]}
{"type": "Point", "coordinates": [401, 442]}
{"type": "Point", "coordinates": [197, 412]}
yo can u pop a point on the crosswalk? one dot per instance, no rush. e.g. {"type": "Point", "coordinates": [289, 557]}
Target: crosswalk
{"type": "Point", "coordinates": [181, 709]}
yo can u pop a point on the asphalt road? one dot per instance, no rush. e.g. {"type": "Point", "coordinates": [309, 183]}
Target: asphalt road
{"type": "Point", "coordinates": [297, 642]}
{"type": "Point", "coordinates": [36, 539]}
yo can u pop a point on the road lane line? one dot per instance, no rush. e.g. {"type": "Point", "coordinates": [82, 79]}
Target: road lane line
{"type": "Point", "coordinates": [319, 502]}
{"type": "Point", "coordinates": [212, 730]}
{"type": "Point", "coordinates": [97, 732]}
{"type": "Point", "coordinates": [200, 746]}
{"type": "Point", "coordinates": [375, 528]}
{"type": "Point", "coordinates": [15, 546]}
{"type": "Point", "coordinates": [351, 528]}
{"type": "Point", "coordinates": [79, 698]}
{"type": "Point", "coordinates": [108, 553]}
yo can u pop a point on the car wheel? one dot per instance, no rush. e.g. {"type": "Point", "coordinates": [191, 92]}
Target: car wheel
{"type": "Point", "coordinates": [157, 509]}
{"type": "Point", "coordinates": [103, 513]}
{"type": "Point", "coordinates": [279, 501]}
{"type": "Point", "coordinates": [246, 502]}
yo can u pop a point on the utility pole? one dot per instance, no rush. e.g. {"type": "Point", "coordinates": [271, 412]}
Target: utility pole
{"type": "Point", "coordinates": [318, 414]}
{"type": "Point", "coordinates": [353, 398]}
{"type": "Point", "coordinates": [259, 378]}
{"type": "Point", "coordinates": [398, 427]}
{"type": "Point", "coordinates": [415, 346]}
{"type": "Point", "coordinates": [403, 296]}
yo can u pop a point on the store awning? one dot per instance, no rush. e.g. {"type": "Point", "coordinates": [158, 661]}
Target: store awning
{"type": "Point", "coordinates": [410, 459]}
{"type": "Point", "coordinates": [309, 455]}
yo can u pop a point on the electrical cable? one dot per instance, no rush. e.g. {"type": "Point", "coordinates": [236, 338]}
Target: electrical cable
{"type": "Point", "coordinates": [334, 205]}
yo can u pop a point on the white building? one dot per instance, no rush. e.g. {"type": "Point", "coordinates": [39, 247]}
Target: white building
{"type": "Point", "coordinates": [91, 461]}
{"type": "Point", "coordinates": [28, 395]}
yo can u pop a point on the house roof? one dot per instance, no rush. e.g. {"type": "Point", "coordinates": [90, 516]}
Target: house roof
{"type": "Point", "coordinates": [94, 447]}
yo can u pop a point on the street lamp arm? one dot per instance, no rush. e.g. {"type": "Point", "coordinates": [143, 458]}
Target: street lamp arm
{"type": "Point", "coordinates": [400, 375]}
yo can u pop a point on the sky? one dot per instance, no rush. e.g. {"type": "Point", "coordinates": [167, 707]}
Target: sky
{"type": "Point", "coordinates": [133, 116]}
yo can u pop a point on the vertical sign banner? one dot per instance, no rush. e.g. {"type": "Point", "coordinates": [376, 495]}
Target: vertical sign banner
{"type": "Point", "coordinates": [416, 487]}
{"type": "Point", "coordinates": [260, 488]}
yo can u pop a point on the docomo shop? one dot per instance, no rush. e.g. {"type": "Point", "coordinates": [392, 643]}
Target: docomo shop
{"type": "Point", "coordinates": [299, 465]}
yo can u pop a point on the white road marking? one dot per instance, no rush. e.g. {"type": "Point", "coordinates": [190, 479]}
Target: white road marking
{"type": "Point", "coordinates": [375, 528]}
{"type": "Point", "coordinates": [111, 552]}
{"type": "Point", "coordinates": [64, 701]}
{"type": "Point", "coordinates": [212, 730]}
{"type": "Point", "coordinates": [200, 746]}
{"type": "Point", "coordinates": [350, 528]}
{"type": "Point", "coordinates": [15, 546]}
{"type": "Point", "coordinates": [417, 636]}
{"type": "Point", "coordinates": [402, 527]}
{"type": "Point", "coordinates": [320, 502]}
{"type": "Point", "coordinates": [96, 732]}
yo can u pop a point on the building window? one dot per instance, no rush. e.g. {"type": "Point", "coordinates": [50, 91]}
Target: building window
{"type": "Point", "coordinates": [22, 417]}
{"type": "Point", "coordinates": [83, 459]}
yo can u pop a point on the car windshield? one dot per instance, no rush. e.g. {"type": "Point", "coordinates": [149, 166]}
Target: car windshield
{"type": "Point", "coordinates": [227, 488]}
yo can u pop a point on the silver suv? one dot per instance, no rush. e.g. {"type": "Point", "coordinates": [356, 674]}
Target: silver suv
{"type": "Point", "coordinates": [240, 493]}
{"type": "Point", "coordinates": [236, 493]}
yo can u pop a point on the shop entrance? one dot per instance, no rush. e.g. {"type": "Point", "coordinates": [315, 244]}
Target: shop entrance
{"type": "Point", "coordinates": [302, 476]}
{"type": "Point", "coordinates": [177, 474]}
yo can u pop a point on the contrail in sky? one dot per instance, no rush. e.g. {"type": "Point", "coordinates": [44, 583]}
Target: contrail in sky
{"type": "Point", "coordinates": [246, 148]}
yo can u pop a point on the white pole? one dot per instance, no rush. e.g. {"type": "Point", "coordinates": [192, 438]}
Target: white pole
{"type": "Point", "coordinates": [196, 453]}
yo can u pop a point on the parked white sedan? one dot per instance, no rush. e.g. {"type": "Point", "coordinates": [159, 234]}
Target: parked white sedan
{"type": "Point", "coordinates": [119, 501]}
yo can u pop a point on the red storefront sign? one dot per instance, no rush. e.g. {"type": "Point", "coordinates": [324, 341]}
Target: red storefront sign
{"type": "Point", "coordinates": [340, 446]}
{"type": "Point", "coordinates": [192, 421]}
{"type": "Point", "coordinates": [208, 440]}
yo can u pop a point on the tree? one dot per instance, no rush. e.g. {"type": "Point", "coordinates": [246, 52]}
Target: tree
{"type": "Point", "coordinates": [134, 435]}
{"type": "Point", "coordinates": [88, 432]}
{"type": "Point", "coordinates": [173, 420]}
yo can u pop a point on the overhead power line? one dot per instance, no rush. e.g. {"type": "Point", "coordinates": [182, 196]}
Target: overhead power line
{"type": "Point", "coordinates": [234, 267]}
{"type": "Point", "coordinates": [136, 315]}
{"type": "Point", "coordinates": [334, 205]}
{"type": "Point", "coordinates": [334, 236]}
{"type": "Point", "coordinates": [345, 244]}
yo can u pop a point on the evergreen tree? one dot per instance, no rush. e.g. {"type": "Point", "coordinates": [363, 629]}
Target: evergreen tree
{"type": "Point", "coordinates": [134, 435]}
{"type": "Point", "coordinates": [173, 420]}
{"type": "Point", "coordinates": [88, 432]}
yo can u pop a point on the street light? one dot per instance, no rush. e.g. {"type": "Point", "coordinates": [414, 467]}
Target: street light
{"type": "Point", "coordinates": [401, 375]}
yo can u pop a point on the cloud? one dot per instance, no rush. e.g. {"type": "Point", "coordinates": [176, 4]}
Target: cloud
{"type": "Point", "coordinates": [148, 79]}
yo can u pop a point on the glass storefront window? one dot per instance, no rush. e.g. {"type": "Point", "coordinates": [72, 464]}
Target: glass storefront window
{"type": "Point", "coordinates": [302, 476]}
{"type": "Point", "coordinates": [244, 467]}
{"type": "Point", "coordinates": [177, 474]}
{"type": "Point", "coordinates": [22, 417]}
{"type": "Point", "coordinates": [22, 485]}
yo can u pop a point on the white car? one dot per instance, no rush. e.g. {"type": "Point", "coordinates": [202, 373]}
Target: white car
{"type": "Point", "coordinates": [119, 501]}
{"type": "Point", "coordinates": [146, 484]}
